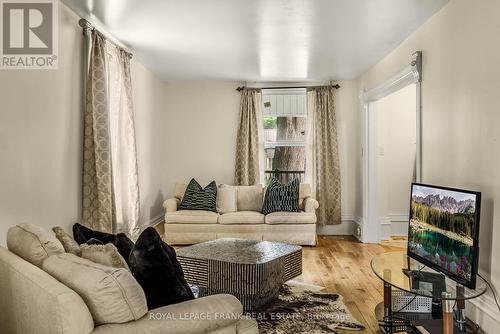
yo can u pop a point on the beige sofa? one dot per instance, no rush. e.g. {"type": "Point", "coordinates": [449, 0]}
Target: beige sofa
{"type": "Point", "coordinates": [32, 301]}
{"type": "Point", "coordinates": [239, 216]}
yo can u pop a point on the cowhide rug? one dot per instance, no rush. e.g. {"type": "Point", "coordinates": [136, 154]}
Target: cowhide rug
{"type": "Point", "coordinates": [301, 308]}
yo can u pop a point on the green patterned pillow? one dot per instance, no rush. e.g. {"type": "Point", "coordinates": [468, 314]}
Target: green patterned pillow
{"type": "Point", "coordinates": [198, 198]}
{"type": "Point", "coordinates": [281, 197]}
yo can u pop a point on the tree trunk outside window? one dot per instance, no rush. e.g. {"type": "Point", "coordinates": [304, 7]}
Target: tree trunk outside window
{"type": "Point", "coordinates": [290, 158]}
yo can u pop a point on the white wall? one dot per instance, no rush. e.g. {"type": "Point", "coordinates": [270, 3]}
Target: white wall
{"type": "Point", "coordinates": [150, 122]}
{"type": "Point", "coordinates": [41, 131]}
{"type": "Point", "coordinates": [460, 115]}
{"type": "Point", "coordinates": [396, 129]}
{"type": "Point", "coordinates": [40, 138]}
{"type": "Point", "coordinates": [200, 132]}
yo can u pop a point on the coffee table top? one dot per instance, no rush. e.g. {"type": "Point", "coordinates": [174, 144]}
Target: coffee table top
{"type": "Point", "coordinates": [238, 250]}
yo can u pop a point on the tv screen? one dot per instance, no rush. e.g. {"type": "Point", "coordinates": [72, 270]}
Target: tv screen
{"type": "Point", "coordinates": [443, 230]}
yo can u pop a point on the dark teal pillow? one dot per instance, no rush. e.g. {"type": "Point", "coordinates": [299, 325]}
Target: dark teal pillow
{"type": "Point", "coordinates": [198, 198]}
{"type": "Point", "coordinates": [281, 197]}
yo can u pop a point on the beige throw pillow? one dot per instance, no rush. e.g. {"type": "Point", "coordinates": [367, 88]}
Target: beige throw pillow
{"type": "Point", "coordinates": [107, 255]}
{"type": "Point", "coordinates": [226, 199]}
{"type": "Point", "coordinates": [32, 243]}
{"type": "Point", "coordinates": [179, 190]}
{"type": "Point", "coordinates": [250, 198]}
{"type": "Point", "coordinates": [111, 294]}
{"type": "Point", "coordinates": [69, 244]}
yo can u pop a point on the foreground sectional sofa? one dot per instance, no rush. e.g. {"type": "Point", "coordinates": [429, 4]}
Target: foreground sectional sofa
{"type": "Point", "coordinates": [33, 301]}
{"type": "Point", "coordinates": [239, 216]}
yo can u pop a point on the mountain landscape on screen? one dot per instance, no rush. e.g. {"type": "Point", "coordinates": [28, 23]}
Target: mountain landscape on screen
{"type": "Point", "coordinates": [441, 228]}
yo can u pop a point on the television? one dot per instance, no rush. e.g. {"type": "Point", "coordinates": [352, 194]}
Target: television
{"type": "Point", "coordinates": [443, 231]}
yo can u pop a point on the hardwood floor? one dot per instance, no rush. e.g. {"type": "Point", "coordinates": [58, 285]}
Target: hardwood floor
{"type": "Point", "coordinates": [342, 265]}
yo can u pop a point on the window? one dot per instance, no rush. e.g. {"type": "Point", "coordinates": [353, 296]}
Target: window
{"type": "Point", "coordinates": [285, 137]}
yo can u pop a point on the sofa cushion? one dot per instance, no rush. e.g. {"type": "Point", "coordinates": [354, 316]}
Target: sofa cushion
{"type": "Point", "coordinates": [191, 217]}
{"type": "Point", "coordinates": [112, 294]}
{"type": "Point", "coordinates": [241, 217]}
{"type": "Point", "coordinates": [198, 198]}
{"type": "Point", "coordinates": [282, 217]}
{"type": "Point", "coordinates": [107, 255]}
{"type": "Point", "coordinates": [249, 198]}
{"type": "Point", "coordinates": [281, 197]}
{"type": "Point", "coordinates": [69, 244]}
{"type": "Point", "coordinates": [226, 199]}
{"type": "Point", "coordinates": [33, 243]}
{"type": "Point", "coordinates": [179, 190]}
{"type": "Point", "coordinates": [154, 264]}
{"type": "Point", "coordinates": [304, 191]}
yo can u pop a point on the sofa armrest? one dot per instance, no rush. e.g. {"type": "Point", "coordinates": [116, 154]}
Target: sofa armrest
{"type": "Point", "coordinates": [171, 204]}
{"type": "Point", "coordinates": [310, 205]}
{"type": "Point", "coordinates": [197, 316]}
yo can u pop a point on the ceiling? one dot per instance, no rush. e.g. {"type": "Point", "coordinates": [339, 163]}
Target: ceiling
{"type": "Point", "coordinates": [258, 40]}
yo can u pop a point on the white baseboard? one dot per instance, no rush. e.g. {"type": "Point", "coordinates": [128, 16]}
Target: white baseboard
{"type": "Point", "coordinates": [348, 226]}
{"type": "Point", "coordinates": [394, 224]}
{"type": "Point", "coordinates": [155, 220]}
{"type": "Point", "coordinates": [484, 311]}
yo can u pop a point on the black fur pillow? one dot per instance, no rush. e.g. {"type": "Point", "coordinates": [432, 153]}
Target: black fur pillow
{"type": "Point", "coordinates": [154, 265]}
{"type": "Point", "coordinates": [83, 235]}
{"type": "Point", "coordinates": [94, 241]}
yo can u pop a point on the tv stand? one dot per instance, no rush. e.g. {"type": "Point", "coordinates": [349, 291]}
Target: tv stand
{"type": "Point", "coordinates": [398, 271]}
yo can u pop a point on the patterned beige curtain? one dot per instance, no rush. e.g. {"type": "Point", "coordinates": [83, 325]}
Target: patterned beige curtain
{"type": "Point", "coordinates": [110, 178]}
{"type": "Point", "coordinates": [323, 157]}
{"type": "Point", "coordinates": [247, 139]}
{"type": "Point", "coordinates": [98, 198]}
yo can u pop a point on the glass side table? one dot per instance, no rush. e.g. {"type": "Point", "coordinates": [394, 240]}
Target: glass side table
{"type": "Point", "coordinates": [397, 270]}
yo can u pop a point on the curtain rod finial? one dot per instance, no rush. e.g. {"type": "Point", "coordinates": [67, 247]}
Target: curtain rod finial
{"type": "Point", "coordinates": [85, 24]}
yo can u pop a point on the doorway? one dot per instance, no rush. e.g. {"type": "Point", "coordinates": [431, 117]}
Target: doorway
{"type": "Point", "coordinates": [372, 228]}
{"type": "Point", "coordinates": [396, 159]}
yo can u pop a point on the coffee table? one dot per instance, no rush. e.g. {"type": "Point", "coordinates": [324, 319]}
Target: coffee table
{"type": "Point", "coordinates": [251, 270]}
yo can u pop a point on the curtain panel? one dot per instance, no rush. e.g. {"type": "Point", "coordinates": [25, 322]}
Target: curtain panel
{"type": "Point", "coordinates": [323, 166]}
{"type": "Point", "coordinates": [248, 138]}
{"type": "Point", "coordinates": [98, 199]}
{"type": "Point", "coordinates": [110, 178]}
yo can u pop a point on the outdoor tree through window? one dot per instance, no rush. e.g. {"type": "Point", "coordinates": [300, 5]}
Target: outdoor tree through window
{"type": "Point", "coordinates": [285, 124]}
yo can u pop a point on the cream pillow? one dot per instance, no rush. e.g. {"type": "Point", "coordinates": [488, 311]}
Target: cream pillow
{"type": "Point", "coordinates": [226, 199]}
{"type": "Point", "coordinates": [250, 198]}
{"type": "Point", "coordinates": [69, 244]}
{"type": "Point", "coordinates": [33, 243]}
{"type": "Point", "coordinates": [111, 294]}
{"type": "Point", "coordinates": [107, 255]}
{"type": "Point", "coordinates": [179, 190]}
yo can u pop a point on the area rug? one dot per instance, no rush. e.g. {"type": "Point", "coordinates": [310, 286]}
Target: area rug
{"type": "Point", "coordinates": [301, 308]}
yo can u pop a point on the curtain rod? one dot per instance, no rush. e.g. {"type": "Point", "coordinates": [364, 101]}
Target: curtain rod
{"type": "Point", "coordinates": [336, 86]}
{"type": "Point", "coordinates": [86, 25]}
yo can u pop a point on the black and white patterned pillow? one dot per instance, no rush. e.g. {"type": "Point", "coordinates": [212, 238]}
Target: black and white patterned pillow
{"type": "Point", "coordinates": [281, 197]}
{"type": "Point", "coordinates": [198, 198]}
